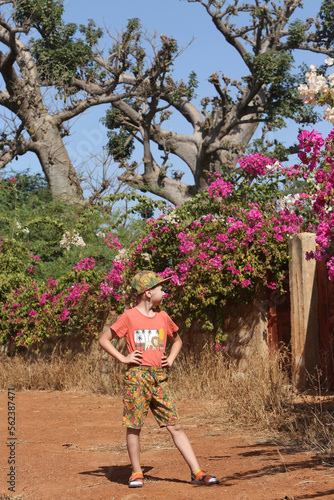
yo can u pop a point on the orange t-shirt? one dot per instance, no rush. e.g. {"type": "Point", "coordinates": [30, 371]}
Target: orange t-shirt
{"type": "Point", "coordinates": [145, 334]}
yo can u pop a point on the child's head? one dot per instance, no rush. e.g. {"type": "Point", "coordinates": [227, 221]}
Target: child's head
{"type": "Point", "coordinates": [146, 280]}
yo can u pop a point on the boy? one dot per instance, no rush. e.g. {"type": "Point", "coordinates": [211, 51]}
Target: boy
{"type": "Point", "coordinates": [145, 382]}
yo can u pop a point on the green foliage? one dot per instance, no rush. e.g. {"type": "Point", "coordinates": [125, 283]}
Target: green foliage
{"type": "Point", "coordinates": [58, 54]}
{"type": "Point", "coordinates": [192, 85]}
{"type": "Point", "coordinates": [271, 67]}
{"type": "Point", "coordinates": [325, 32]}
{"type": "Point", "coordinates": [34, 306]}
{"type": "Point", "coordinates": [38, 221]}
{"type": "Point", "coordinates": [44, 15]}
{"type": "Point", "coordinates": [297, 33]}
{"type": "Point", "coordinates": [181, 90]}
{"type": "Point", "coordinates": [120, 145]}
{"type": "Point", "coordinates": [282, 98]}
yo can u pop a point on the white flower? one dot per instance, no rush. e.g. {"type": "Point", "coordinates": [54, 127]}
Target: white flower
{"type": "Point", "coordinates": [316, 84]}
{"type": "Point", "coordinates": [21, 229]}
{"type": "Point", "coordinates": [100, 234]}
{"type": "Point", "coordinates": [274, 167]}
{"type": "Point", "coordinates": [172, 218]}
{"type": "Point", "coordinates": [329, 115]}
{"type": "Point", "coordinates": [71, 239]}
{"type": "Point", "coordinates": [122, 255]}
{"type": "Point", "coordinates": [329, 61]}
{"type": "Point", "coordinates": [288, 202]}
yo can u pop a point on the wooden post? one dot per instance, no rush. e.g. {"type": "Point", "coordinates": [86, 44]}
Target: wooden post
{"type": "Point", "coordinates": [304, 309]}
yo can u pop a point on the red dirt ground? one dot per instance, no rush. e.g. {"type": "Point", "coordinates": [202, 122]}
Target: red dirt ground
{"type": "Point", "coordinates": [71, 446]}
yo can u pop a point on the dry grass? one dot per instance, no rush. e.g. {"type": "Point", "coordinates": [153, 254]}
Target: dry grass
{"type": "Point", "coordinates": [258, 397]}
{"type": "Point", "coordinates": [84, 372]}
{"type": "Point", "coordinates": [4, 496]}
{"type": "Point", "coordinates": [257, 393]}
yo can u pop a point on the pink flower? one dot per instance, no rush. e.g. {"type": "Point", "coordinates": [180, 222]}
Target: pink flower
{"type": "Point", "coordinates": [44, 297]}
{"type": "Point", "coordinates": [51, 283]}
{"type": "Point", "coordinates": [113, 241]}
{"type": "Point", "coordinates": [12, 179]}
{"type": "Point", "coordinates": [219, 188]}
{"type": "Point", "coordinates": [235, 227]}
{"type": "Point", "coordinates": [106, 290]}
{"type": "Point", "coordinates": [87, 263]}
{"type": "Point", "coordinates": [255, 215]}
{"type": "Point", "coordinates": [64, 316]}
{"type": "Point", "coordinates": [256, 164]}
{"type": "Point", "coordinates": [222, 238]}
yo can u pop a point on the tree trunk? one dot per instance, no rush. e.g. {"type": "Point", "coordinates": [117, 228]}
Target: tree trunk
{"type": "Point", "coordinates": [56, 163]}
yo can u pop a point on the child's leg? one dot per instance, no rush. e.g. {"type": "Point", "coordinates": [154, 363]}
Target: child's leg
{"type": "Point", "coordinates": [182, 443]}
{"type": "Point", "coordinates": [133, 445]}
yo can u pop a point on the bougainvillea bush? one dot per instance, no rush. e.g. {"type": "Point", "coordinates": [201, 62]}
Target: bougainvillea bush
{"type": "Point", "coordinates": [76, 304]}
{"type": "Point", "coordinates": [317, 157]}
{"type": "Point", "coordinates": [40, 235]}
{"type": "Point", "coordinates": [220, 245]}
{"type": "Point", "coordinates": [217, 248]}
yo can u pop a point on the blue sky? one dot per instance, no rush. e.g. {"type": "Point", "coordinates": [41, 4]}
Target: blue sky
{"type": "Point", "coordinates": [206, 54]}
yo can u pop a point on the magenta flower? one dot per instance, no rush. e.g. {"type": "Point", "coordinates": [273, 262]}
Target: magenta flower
{"type": "Point", "coordinates": [113, 241]}
{"type": "Point", "coordinates": [219, 188]}
{"type": "Point", "coordinates": [87, 263]}
{"type": "Point", "coordinates": [64, 316]}
{"type": "Point", "coordinates": [256, 164]}
{"type": "Point", "coordinates": [51, 283]}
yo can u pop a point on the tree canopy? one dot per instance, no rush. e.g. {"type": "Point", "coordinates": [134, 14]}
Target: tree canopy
{"type": "Point", "coordinates": [40, 53]}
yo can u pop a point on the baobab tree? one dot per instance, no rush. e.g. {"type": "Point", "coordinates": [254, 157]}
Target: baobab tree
{"type": "Point", "coordinates": [53, 71]}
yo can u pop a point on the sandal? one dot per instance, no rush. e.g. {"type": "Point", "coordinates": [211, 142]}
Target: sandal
{"type": "Point", "coordinates": [203, 478]}
{"type": "Point", "coordinates": [136, 480]}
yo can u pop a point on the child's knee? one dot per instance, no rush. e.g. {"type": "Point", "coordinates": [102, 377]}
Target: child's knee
{"type": "Point", "coordinates": [175, 428]}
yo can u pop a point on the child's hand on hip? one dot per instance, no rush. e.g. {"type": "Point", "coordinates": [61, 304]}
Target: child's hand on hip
{"type": "Point", "coordinates": [165, 363]}
{"type": "Point", "coordinates": [134, 358]}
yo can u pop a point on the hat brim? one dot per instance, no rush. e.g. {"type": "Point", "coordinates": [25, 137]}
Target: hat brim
{"type": "Point", "coordinates": [162, 281]}
{"type": "Point", "coordinates": [165, 280]}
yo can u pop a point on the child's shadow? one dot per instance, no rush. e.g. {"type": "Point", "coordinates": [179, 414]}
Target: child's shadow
{"type": "Point", "coordinates": [120, 474]}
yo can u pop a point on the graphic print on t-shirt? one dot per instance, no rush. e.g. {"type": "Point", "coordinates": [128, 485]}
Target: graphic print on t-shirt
{"type": "Point", "coordinates": [146, 340]}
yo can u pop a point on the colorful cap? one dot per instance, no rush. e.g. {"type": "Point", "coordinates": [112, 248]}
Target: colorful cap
{"type": "Point", "coordinates": [145, 280]}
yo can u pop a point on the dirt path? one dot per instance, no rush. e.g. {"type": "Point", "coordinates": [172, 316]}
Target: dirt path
{"type": "Point", "coordinates": [71, 446]}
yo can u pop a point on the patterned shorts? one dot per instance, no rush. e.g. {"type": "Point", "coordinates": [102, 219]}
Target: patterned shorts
{"type": "Point", "coordinates": [147, 387]}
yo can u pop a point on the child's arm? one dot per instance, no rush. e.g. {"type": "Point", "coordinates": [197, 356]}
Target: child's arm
{"type": "Point", "coordinates": [167, 362]}
{"type": "Point", "coordinates": [105, 342]}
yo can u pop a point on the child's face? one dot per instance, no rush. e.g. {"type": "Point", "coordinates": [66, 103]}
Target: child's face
{"type": "Point", "coordinates": [157, 294]}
